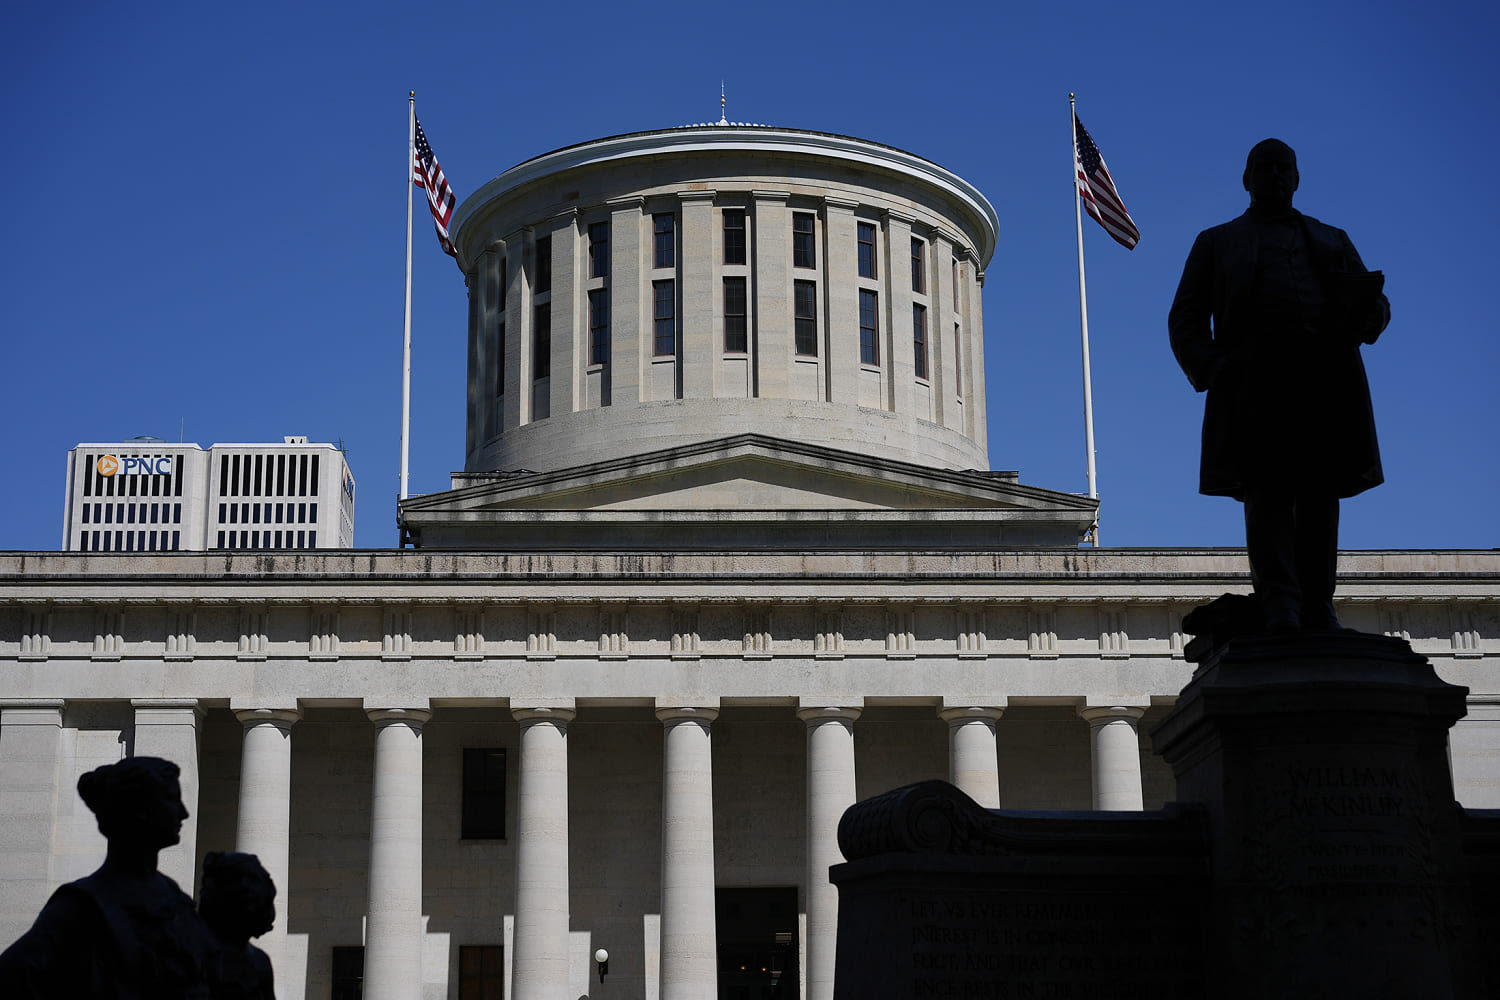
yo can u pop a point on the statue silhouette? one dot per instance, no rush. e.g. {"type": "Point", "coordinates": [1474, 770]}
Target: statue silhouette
{"type": "Point", "coordinates": [238, 902]}
{"type": "Point", "coordinates": [1268, 319]}
{"type": "Point", "coordinates": [126, 932]}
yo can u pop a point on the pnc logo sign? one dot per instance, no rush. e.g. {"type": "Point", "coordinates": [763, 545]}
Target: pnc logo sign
{"type": "Point", "coordinates": [133, 465]}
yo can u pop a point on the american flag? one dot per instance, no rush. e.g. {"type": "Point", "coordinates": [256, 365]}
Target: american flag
{"type": "Point", "coordinates": [427, 174]}
{"type": "Point", "coordinates": [1097, 189]}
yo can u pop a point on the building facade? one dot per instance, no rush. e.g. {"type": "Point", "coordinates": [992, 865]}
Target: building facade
{"type": "Point", "coordinates": [145, 495]}
{"type": "Point", "coordinates": [682, 608]}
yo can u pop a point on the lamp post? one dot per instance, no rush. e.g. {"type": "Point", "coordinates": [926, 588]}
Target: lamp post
{"type": "Point", "coordinates": [601, 959]}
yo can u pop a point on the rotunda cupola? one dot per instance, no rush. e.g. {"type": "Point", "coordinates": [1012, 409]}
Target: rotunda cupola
{"type": "Point", "coordinates": [665, 288]}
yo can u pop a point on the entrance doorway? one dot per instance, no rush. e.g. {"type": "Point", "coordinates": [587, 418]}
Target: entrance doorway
{"type": "Point", "coordinates": [758, 946]}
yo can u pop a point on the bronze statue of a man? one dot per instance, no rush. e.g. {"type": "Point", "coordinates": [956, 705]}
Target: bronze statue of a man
{"type": "Point", "coordinates": [1268, 319]}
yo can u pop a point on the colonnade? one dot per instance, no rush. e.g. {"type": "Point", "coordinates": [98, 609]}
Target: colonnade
{"type": "Point", "coordinates": [540, 946]}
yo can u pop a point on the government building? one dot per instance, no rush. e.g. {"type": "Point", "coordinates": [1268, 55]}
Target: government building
{"type": "Point", "coordinates": [726, 556]}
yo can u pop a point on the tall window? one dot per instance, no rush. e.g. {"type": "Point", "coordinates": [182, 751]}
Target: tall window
{"type": "Point", "coordinates": [665, 228]}
{"type": "Point", "coordinates": [918, 266]}
{"type": "Point", "coordinates": [866, 239]}
{"type": "Point", "coordinates": [958, 362]}
{"type": "Point", "coordinates": [664, 317]}
{"type": "Point", "coordinates": [543, 281]}
{"type": "Point", "coordinates": [869, 346]}
{"type": "Point", "coordinates": [802, 240]}
{"type": "Point", "coordinates": [481, 972]}
{"type": "Point", "coordinates": [599, 250]}
{"type": "Point", "coordinates": [484, 794]}
{"type": "Point", "coordinates": [599, 326]}
{"type": "Point", "coordinates": [541, 343]}
{"type": "Point", "coordinates": [734, 236]}
{"type": "Point", "coordinates": [805, 317]}
{"type": "Point", "coordinates": [955, 284]}
{"type": "Point", "coordinates": [919, 339]}
{"type": "Point", "coordinates": [736, 331]}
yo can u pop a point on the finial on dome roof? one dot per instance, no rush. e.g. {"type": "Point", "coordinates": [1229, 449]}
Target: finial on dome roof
{"type": "Point", "coordinates": [722, 119]}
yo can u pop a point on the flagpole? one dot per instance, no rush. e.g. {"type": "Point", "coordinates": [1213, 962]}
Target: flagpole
{"type": "Point", "coordinates": [1083, 318]}
{"type": "Point", "coordinates": [411, 155]}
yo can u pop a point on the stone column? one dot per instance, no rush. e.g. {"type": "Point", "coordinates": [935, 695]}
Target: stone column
{"type": "Point", "coordinates": [830, 790]}
{"type": "Point", "coordinates": [30, 746]}
{"type": "Point", "coordinates": [484, 346]}
{"type": "Point", "coordinates": [896, 316]}
{"type": "Point", "coordinates": [517, 305]}
{"type": "Point", "coordinates": [701, 350]}
{"type": "Point", "coordinates": [393, 921]}
{"type": "Point", "coordinates": [1116, 755]}
{"type": "Point", "coordinates": [169, 728]}
{"type": "Point", "coordinates": [265, 815]}
{"type": "Point", "coordinates": [569, 317]}
{"type": "Point", "coordinates": [941, 303]}
{"type": "Point", "coordinates": [539, 969]}
{"type": "Point", "coordinates": [771, 293]}
{"type": "Point", "coordinates": [973, 762]}
{"type": "Point", "coordinates": [629, 301]}
{"type": "Point", "coordinates": [474, 392]}
{"type": "Point", "coordinates": [838, 288]}
{"type": "Point", "coordinates": [973, 352]}
{"type": "Point", "coordinates": [689, 940]}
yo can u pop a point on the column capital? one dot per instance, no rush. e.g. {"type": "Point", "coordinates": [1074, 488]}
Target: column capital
{"type": "Point", "coordinates": [18, 710]}
{"type": "Point", "coordinates": [164, 703]}
{"type": "Point", "coordinates": [557, 713]}
{"type": "Point", "coordinates": [168, 707]}
{"type": "Point", "coordinates": [386, 716]}
{"type": "Point", "coordinates": [1105, 713]}
{"type": "Point", "coordinates": [829, 713]}
{"type": "Point", "coordinates": [284, 717]}
{"type": "Point", "coordinates": [687, 713]}
{"type": "Point", "coordinates": [956, 715]}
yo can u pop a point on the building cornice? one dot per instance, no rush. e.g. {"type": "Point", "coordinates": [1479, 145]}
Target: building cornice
{"type": "Point", "coordinates": [755, 140]}
{"type": "Point", "coordinates": [235, 576]}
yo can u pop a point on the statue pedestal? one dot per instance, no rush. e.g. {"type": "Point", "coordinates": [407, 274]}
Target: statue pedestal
{"type": "Point", "coordinates": [946, 900]}
{"type": "Point", "coordinates": [1314, 851]}
{"type": "Point", "coordinates": [1336, 854]}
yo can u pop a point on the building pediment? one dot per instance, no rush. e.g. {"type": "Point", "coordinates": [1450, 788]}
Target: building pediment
{"type": "Point", "coordinates": [728, 486]}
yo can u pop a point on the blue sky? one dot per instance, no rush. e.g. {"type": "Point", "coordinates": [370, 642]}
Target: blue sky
{"type": "Point", "coordinates": [205, 223]}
